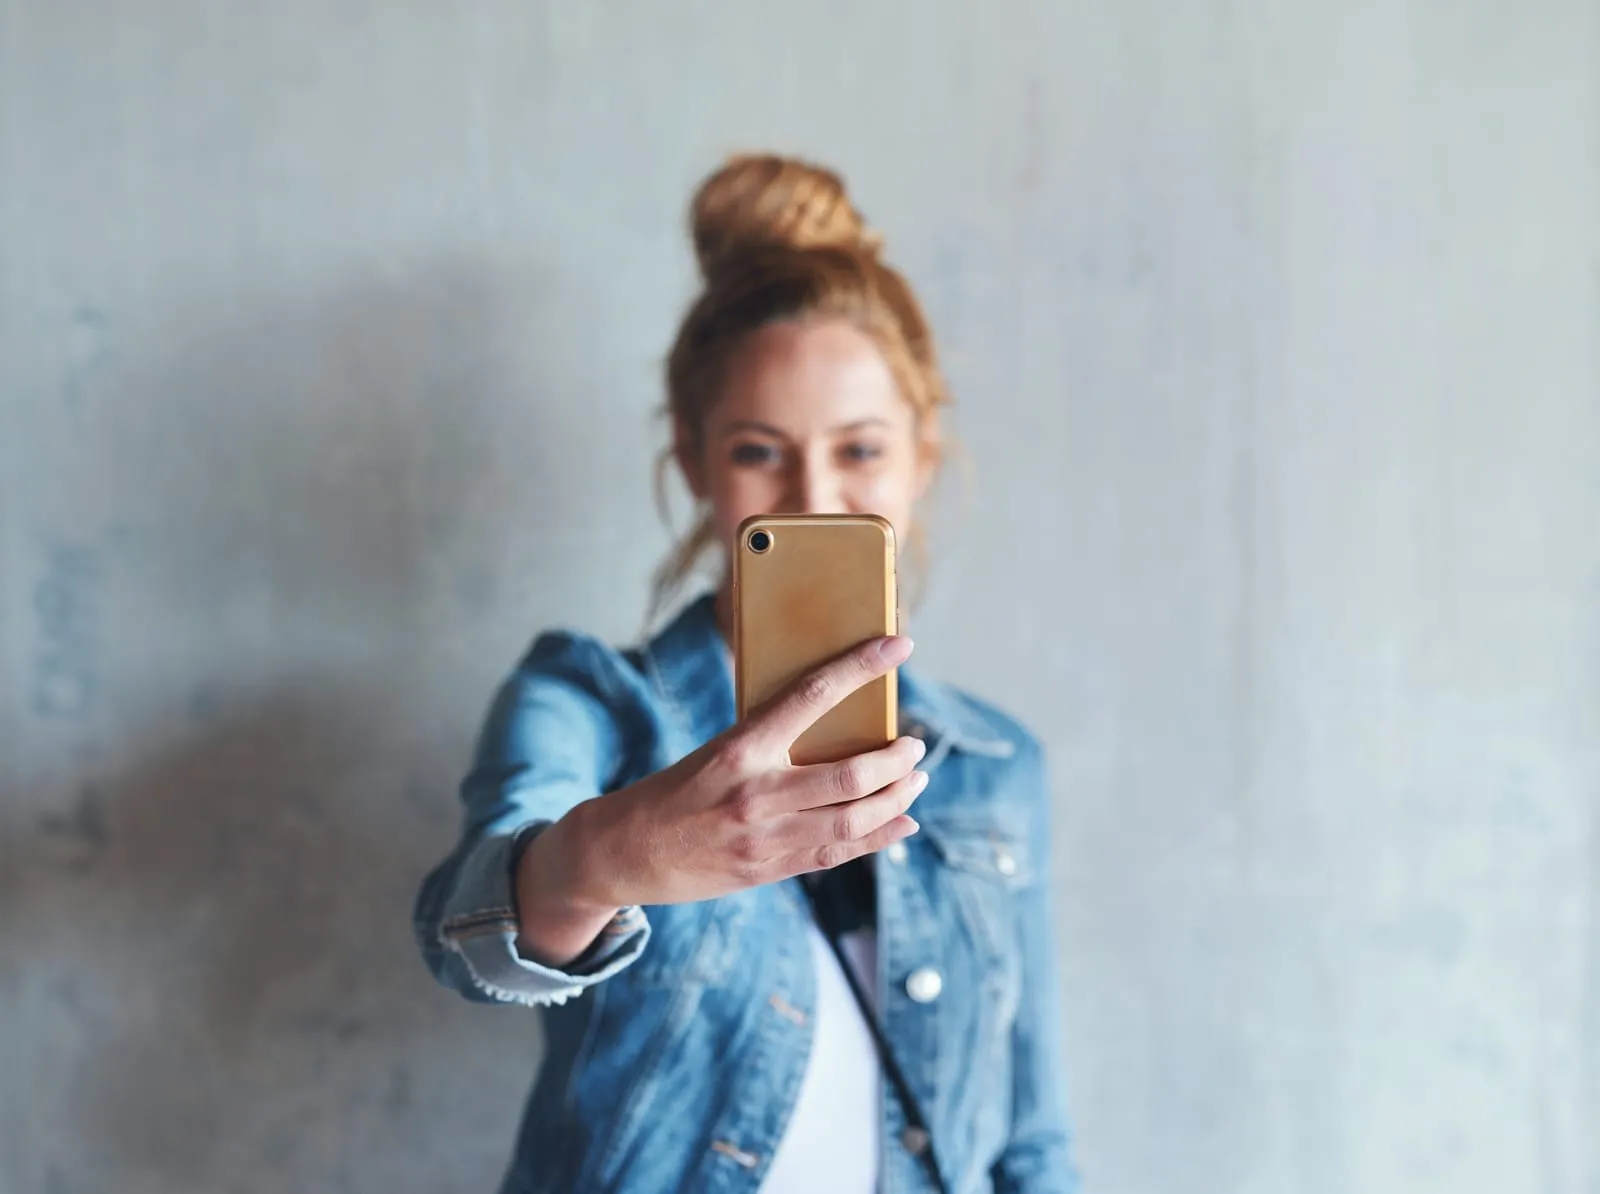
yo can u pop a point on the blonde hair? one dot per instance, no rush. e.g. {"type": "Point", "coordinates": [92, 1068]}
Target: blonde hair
{"type": "Point", "coordinates": [778, 239]}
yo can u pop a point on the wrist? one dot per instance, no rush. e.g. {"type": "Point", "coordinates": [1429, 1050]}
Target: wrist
{"type": "Point", "coordinates": [572, 850]}
{"type": "Point", "coordinates": [558, 917]}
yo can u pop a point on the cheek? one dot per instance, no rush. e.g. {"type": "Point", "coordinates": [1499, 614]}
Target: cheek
{"type": "Point", "coordinates": [738, 494]}
{"type": "Point", "coordinates": [890, 494]}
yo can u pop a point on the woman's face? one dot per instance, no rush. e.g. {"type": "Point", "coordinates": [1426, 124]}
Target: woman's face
{"type": "Point", "coordinates": [810, 422]}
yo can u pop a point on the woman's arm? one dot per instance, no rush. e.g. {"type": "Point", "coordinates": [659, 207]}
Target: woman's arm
{"type": "Point", "coordinates": [544, 895]}
{"type": "Point", "coordinates": [549, 744]}
{"type": "Point", "coordinates": [1037, 1159]}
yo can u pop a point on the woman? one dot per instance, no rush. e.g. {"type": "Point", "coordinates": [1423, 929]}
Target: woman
{"type": "Point", "coordinates": [630, 858]}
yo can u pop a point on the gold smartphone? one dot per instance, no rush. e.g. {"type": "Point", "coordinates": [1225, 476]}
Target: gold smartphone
{"type": "Point", "coordinates": [806, 588]}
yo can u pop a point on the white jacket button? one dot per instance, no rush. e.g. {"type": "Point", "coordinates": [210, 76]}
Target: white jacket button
{"type": "Point", "coordinates": [925, 985]}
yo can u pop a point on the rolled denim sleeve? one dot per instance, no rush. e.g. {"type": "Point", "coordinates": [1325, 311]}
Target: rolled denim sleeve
{"type": "Point", "coordinates": [1037, 1158]}
{"type": "Point", "coordinates": [550, 741]}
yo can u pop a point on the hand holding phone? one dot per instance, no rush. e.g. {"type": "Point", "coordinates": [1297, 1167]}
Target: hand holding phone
{"type": "Point", "coordinates": [734, 814]}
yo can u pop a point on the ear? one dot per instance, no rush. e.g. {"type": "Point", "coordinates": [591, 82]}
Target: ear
{"type": "Point", "coordinates": [690, 455]}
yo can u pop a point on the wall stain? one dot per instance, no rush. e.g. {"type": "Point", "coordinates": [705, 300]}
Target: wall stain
{"type": "Point", "coordinates": [82, 830]}
{"type": "Point", "coordinates": [89, 354]}
{"type": "Point", "coordinates": [67, 608]}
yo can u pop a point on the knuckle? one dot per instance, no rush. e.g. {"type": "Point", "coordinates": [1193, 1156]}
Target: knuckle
{"type": "Point", "coordinates": [831, 855]}
{"type": "Point", "coordinates": [744, 804]}
{"type": "Point", "coordinates": [849, 779]}
{"type": "Point", "coordinates": [846, 825]}
{"type": "Point", "coordinates": [738, 755]}
{"type": "Point", "coordinates": [746, 849]}
{"type": "Point", "coordinates": [815, 688]}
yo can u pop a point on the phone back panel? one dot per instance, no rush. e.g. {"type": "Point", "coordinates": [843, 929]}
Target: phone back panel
{"type": "Point", "coordinates": [825, 584]}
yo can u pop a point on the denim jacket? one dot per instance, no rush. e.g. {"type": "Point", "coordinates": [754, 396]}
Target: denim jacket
{"type": "Point", "coordinates": [675, 1046]}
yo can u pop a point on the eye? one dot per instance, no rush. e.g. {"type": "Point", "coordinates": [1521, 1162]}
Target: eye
{"type": "Point", "coordinates": [860, 452]}
{"type": "Point", "coordinates": [751, 454]}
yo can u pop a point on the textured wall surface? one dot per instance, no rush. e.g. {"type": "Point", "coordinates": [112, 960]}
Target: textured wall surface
{"type": "Point", "coordinates": [329, 340]}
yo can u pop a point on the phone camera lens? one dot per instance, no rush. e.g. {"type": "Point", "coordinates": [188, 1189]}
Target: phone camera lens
{"type": "Point", "coordinates": [760, 541]}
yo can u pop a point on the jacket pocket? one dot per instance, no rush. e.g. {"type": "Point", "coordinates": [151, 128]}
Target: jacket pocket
{"type": "Point", "coordinates": [984, 849]}
{"type": "Point", "coordinates": [985, 867]}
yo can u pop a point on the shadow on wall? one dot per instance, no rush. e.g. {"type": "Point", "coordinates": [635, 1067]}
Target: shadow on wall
{"type": "Point", "coordinates": [221, 991]}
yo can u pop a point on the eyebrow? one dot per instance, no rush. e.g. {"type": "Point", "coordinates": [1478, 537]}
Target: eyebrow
{"type": "Point", "coordinates": [768, 429]}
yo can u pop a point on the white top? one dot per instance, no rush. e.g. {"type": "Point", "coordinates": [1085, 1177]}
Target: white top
{"type": "Point", "coordinates": [832, 1142]}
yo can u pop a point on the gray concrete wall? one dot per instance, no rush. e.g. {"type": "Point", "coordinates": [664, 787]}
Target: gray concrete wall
{"type": "Point", "coordinates": [329, 337]}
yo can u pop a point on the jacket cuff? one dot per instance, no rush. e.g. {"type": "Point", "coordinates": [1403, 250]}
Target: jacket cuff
{"type": "Point", "coordinates": [481, 927]}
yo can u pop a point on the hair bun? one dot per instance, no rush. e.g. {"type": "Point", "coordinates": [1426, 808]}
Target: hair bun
{"type": "Point", "coordinates": [764, 200]}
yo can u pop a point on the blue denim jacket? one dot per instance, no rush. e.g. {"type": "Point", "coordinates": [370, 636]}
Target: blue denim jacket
{"type": "Point", "coordinates": [676, 1045]}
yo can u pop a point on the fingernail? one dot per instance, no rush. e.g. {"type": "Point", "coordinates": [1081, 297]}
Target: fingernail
{"type": "Point", "coordinates": [919, 780]}
{"type": "Point", "coordinates": [915, 826]}
{"type": "Point", "coordinates": [895, 649]}
{"type": "Point", "coordinates": [920, 750]}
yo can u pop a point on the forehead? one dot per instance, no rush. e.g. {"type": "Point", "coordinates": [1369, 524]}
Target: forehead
{"type": "Point", "coordinates": [802, 376]}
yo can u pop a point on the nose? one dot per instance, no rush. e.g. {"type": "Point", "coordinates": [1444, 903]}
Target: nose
{"type": "Point", "coordinates": [818, 489]}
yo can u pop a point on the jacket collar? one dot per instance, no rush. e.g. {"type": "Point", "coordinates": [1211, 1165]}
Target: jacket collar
{"type": "Point", "coordinates": [689, 664]}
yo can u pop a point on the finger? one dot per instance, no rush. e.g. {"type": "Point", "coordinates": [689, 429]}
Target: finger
{"type": "Point", "coordinates": [822, 784]}
{"type": "Point", "coordinates": [823, 858]}
{"type": "Point", "coordinates": [796, 709]}
{"type": "Point", "coordinates": [836, 830]}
